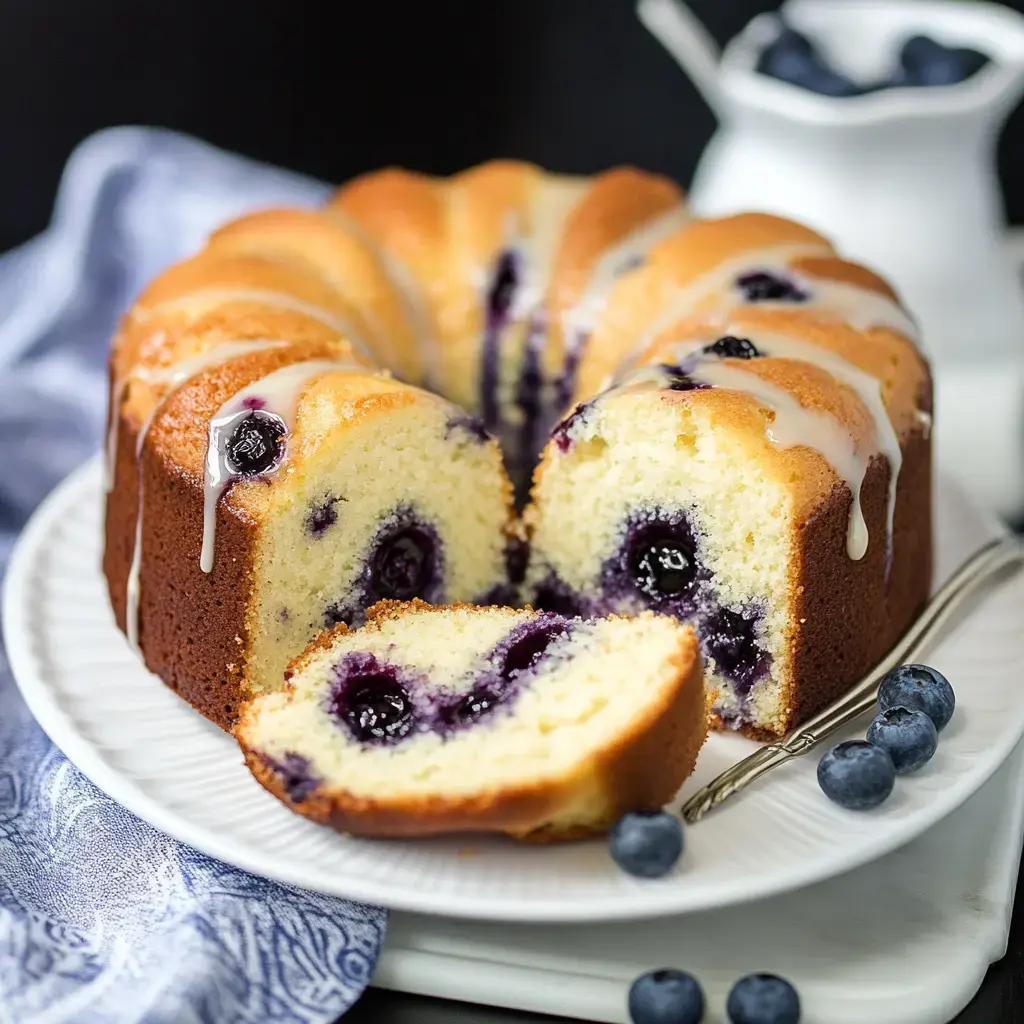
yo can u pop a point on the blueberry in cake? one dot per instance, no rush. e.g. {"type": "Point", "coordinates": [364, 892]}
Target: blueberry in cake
{"type": "Point", "coordinates": [465, 719]}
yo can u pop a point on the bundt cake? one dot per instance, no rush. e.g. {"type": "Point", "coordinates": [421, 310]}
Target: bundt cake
{"type": "Point", "coordinates": [749, 452]}
{"type": "Point", "coordinates": [464, 719]}
{"type": "Point", "coordinates": [734, 426]}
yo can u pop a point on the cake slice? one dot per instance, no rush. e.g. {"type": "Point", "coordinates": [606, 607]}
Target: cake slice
{"type": "Point", "coordinates": [461, 719]}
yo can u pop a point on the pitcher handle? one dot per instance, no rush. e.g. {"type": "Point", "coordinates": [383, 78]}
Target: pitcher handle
{"type": "Point", "coordinates": [694, 49]}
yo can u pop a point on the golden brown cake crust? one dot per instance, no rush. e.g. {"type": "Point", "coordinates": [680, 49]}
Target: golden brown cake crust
{"type": "Point", "coordinates": [642, 770]}
{"type": "Point", "coordinates": [192, 624]}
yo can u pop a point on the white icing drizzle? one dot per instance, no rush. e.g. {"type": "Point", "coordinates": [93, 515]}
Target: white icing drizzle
{"type": "Point", "coordinates": [795, 425]}
{"type": "Point", "coordinates": [538, 242]}
{"type": "Point", "coordinates": [409, 292]}
{"type": "Point", "coordinates": [174, 376]}
{"type": "Point", "coordinates": [721, 278]}
{"type": "Point", "coordinates": [278, 394]}
{"type": "Point", "coordinates": [863, 384]}
{"type": "Point", "coordinates": [208, 297]}
{"type": "Point", "coordinates": [862, 308]}
{"type": "Point", "coordinates": [580, 318]}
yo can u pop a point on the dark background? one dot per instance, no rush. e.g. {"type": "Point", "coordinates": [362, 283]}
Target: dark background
{"type": "Point", "coordinates": [340, 87]}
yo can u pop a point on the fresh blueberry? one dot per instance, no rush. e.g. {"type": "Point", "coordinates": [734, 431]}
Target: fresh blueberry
{"type": "Point", "coordinates": [647, 843]}
{"type": "Point", "coordinates": [925, 62]}
{"type": "Point", "coordinates": [918, 688]}
{"type": "Point", "coordinates": [761, 286]}
{"type": "Point", "coordinates": [792, 58]}
{"type": "Point", "coordinates": [763, 999]}
{"type": "Point", "coordinates": [666, 997]}
{"type": "Point", "coordinates": [733, 348]}
{"type": "Point", "coordinates": [789, 56]}
{"type": "Point", "coordinates": [254, 446]}
{"type": "Point", "coordinates": [662, 562]}
{"type": "Point", "coordinates": [909, 736]}
{"type": "Point", "coordinates": [856, 775]}
{"type": "Point", "coordinates": [829, 83]}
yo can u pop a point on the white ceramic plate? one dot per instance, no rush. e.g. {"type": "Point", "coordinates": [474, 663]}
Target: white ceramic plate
{"type": "Point", "coordinates": [137, 741]}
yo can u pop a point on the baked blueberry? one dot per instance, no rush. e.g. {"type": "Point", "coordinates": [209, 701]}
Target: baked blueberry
{"type": "Point", "coordinates": [552, 595]}
{"type": "Point", "coordinates": [403, 564]}
{"type": "Point", "coordinates": [647, 843]}
{"type": "Point", "coordinates": [732, 639]}
{"type": "Point", "coordinates": [503, 287]}
{"type": "Point", "coordinates": [762, 286]}
{"type": "Point", "coordinates": [857, 775]}
{"type": "Point", "coordinates": [482, 701]}
{"type": "Point", "coordinates": [529, 648]}
{"type": "Point", "coordinates": [322, 516]}
{"type": "Point", "coordinates": [910, 737]}
{"type": "Point", "coordinates": [254, 446]}
{"type": "Point", "coordinates": [666, 997]}
{"type": "Point", "coordinates": [376, 707]}
{"type": "Point", "coordinates": [562, 434]}
{"type": "Point", "coordinates": [918, 688]}
{"type": "Point", "coordinates": [466, 424]}
{"type": "Point", "coordinates": [763, 999]}
{"type": "Point", "coordinates": [678, 380]}
{"type": "Point", "coordinates": [733, 348]}
{"type": "Point", "coordinates": [661, 561]}
{"type": "Point", "coordinates": [295, 775]}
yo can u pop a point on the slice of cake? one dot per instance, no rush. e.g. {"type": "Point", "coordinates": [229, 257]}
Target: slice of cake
{"type": "Point", "coordinates": [463, 719]}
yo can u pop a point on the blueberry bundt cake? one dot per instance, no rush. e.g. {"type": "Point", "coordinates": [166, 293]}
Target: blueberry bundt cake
{"type": "Point", "coordinates": [734, 425]}
{"type": "Point", "coordinates": [464, 719]}
{"type": "Point", "coordinates": [750, 452]}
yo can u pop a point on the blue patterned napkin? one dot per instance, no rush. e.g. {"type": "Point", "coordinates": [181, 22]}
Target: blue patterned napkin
{"type": "Point", "coordinates": [103, 920]}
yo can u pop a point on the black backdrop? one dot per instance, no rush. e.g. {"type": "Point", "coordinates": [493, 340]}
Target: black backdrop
{"type": "Point", "coordinates": [337, 87]}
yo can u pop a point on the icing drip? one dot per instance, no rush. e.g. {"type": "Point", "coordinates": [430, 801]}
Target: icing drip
{"type": "Point", "coordinates": [579, 320]}
{"type": "Point", "coordinates": [197, 303]}
{"type": "Point", "coordinates": [207, 298]}
{"type": "Point", "coordinates": [861, 308]}
{"type": "Point", "coordinates": [409, 292]}
{"type": "Point", "coordinates": [173, 377]}
{"type": "Point", "coordinates": [796, 425]}
{"type": "Point", "coordinates": [721, 279]}
{"type": "Point", "coordinates": [277, 394]}
{"type": "Point", "coordinates": [616, 260]}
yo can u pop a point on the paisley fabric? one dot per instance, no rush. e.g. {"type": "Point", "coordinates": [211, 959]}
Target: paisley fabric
{"type": "Point", "coordinates": [104, 920]}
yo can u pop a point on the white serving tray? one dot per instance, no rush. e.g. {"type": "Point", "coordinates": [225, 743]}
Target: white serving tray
{"type": "Point", "coordinates": [904, 940]}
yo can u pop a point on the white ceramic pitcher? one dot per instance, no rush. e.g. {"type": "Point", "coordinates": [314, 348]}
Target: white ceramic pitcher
{"type": "Point", "coordinates": [903, 180]}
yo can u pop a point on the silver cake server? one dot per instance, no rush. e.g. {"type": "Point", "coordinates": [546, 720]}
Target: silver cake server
{"type": "Point", "coordinates": [981, 568]}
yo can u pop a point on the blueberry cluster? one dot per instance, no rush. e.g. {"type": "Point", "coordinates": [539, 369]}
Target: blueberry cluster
{"type": "Point", "coordinates": [669, 996]}
{"type": "Point", "coordinates": [915, 704]}
{"type": "Point", "coordinates": [380, 704]}
{"type": "Point", "coordinates": [921, 62]}
{"type": "Point", "coordinates": [406, 560]}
